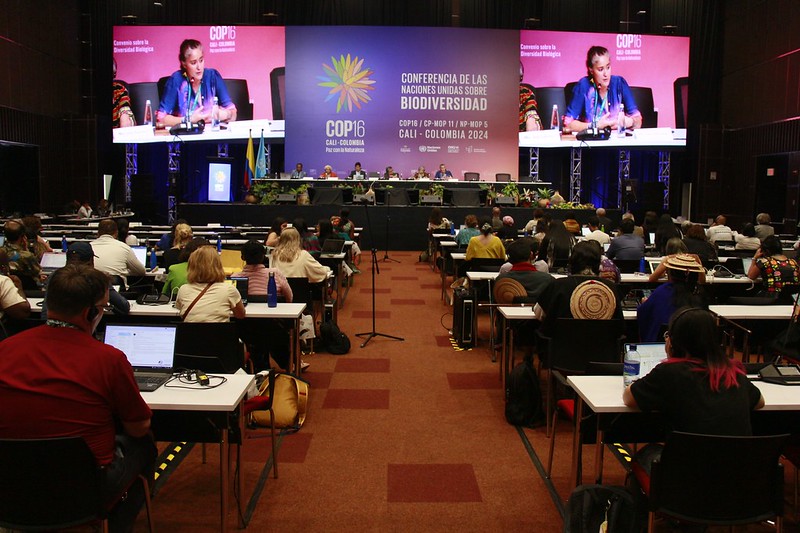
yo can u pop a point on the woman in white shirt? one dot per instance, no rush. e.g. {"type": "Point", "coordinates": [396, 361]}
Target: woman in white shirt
{"type": "Point", "coordinates": [293, 261]}
{"type": "Point", "coordinates": [207, 298]}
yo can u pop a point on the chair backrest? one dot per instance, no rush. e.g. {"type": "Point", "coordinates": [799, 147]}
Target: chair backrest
{"type": "Point", "coordinates": [546, 97]}
{"type": "Point", "coordinates": [240, 96]}
{"type": "Point", "coordinates": [231, 261]}
{"type": "Point", "coordinates": [643, 96]}
{"type": "Point", "coordinates": [301, 290]}
{"type": "Point", "coordinates": [502, 176]}
{"type": "Point", "coordinates": [472, 176]}
{"type": "Point", "coordinates": [526, 179]}
{"type": "Point", "coordinates": [740, 478]}
{"type": "Point", "coordinates": [627, 266]}
{"type": "Point", "coordinates": [681, 89]}
{"type": "Point", "coordinates": [49, 484]}
{"type": "Point", "coordinates": [140, 93]}
{"type": "Point", "coordinates": [277, 83]}
{"type": "Point", "coordinates": [212, 347]}
{"type": "Point", "coordinates": [575, 343]}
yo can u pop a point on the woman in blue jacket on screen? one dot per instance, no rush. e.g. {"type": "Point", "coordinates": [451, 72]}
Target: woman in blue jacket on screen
{"type": "Point", "coordinates": [190, 91]}
{"type": "Point", "coordinates": [597, 97]}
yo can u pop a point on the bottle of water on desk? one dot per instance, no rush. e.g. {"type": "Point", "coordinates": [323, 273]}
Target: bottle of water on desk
{"type": "Point", "coordinates": [631, 366]}
{"type": "Point", "coordinates": [621, 121]}
{"type": "Point", "coordinates": [148, 113]}
{"type": "Point", "coordinates": [272, 291]}
{"type": "Point", "coordinates": [554, 120]}
{"type": "Point", "coordinates": [64, 243]}
{"type": "Point", "coordinates": [219, 244]}
{"type": "Point", "coordinates": [153, 259]}
{"type": "Point", "coordinates": [215, 115]}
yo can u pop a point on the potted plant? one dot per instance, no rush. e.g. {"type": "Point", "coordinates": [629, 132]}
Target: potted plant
{"type": "Point", "coordinates": [432, 195]}
{"type": "Point", "coordinates": [509, 195]}
{"type": "Point", "coordinates": [266, 191]}
{"type": "Point", "coordinates": [526, 197]}
{"type": "Point", "coordinates": [488, 189]}
{"type": "Point", "coordinates": [544, 195]}
{"type": "Point", "coordinates": [301, 192]}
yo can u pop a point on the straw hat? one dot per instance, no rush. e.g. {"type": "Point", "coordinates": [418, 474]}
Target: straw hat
{"type": "Point", "coordinates": [506, 289]}
{"type": "Point", "coordinates": [593, 300]}
{"type": "Point", "coordinates": [684, 262]}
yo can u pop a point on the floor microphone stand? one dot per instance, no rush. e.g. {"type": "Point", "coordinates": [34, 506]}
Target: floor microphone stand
{"type": "Point", "coordinates": [388, 223]}
{"type": "Point", "coordinates": [369, 335]}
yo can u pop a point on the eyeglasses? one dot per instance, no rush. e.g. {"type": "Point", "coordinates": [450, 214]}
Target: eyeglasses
{"type": "Point", "coordinates": [666, 335]}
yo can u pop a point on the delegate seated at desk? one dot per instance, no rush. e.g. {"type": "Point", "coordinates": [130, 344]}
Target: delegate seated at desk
{"type": "Point", "coordinates": [189, 92]}
{"type": "Point", "coordinates": [597, 97]}
{"type": "Point", "coordinates": [207, 298]}
{"type": "Point", "coordinates": [698, 389]}
{"type": "Point", "coordinates": [56, 380]}
{"type": "Point", "coordinates": [357, 173]}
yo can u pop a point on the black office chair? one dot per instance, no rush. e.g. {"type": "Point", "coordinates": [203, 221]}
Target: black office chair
{"type": "Point", "coordinates": [740, 478]}
{"type": "Point", "coordinates": [572, 346]}
{"type": "Point", "coordinates": [211, 347]}
{"type": "Point", "coordinates": [546, 97]}
{"type": "Point", "coordinates": [277, 84]}
{"type": "Point", "coordinates": [472, 176]}
{"type": "Point", "coordinates": [502, 177]}
{"type": "Point", "coordinates": [140, 93]}
{"type": "Point", "coordinates": [53, 484]}
{"type": "Point", "coordinates": [681, 92]}
{"type": "Point", "coordinates": [627, 266]}
{"type": "Point", "coordinates": [240, 96]}
{"type": "Point", "coordinates": [643, 96]}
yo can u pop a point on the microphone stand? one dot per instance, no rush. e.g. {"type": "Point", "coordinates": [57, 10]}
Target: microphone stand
{"type": "Point", "coordinates": [388, 223]}
{"type": "Point", "coordinates": [369, 335]}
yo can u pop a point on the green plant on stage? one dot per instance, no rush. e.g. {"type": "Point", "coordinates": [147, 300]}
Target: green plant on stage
{"type": "Point", "coordinates": [300, 189]}
{"type": "Point", "coordinates": [510, 190]}
{"type": "Point", "coordinates": [436, 189]}
{"type": "Point", "coordinates": [544, 193]}
{"type": "Point", "coordinates": [266, 191]}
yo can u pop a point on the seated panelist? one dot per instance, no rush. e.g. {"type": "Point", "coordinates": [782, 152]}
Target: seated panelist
{"type": "Point", "coordinates": [390, 174]}
{"type": "Point", "coordinates": [189, 93]}
{"type": "Point", "coordinates": [327, 172]}
{"type": "Point", "coordinates": [357, 173]}
{"type": "Point", "coordinates": [421, 173]}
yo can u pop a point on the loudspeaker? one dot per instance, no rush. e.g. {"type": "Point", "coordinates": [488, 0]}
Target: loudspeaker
{"type": "Point", "coordinates": [464, 307]}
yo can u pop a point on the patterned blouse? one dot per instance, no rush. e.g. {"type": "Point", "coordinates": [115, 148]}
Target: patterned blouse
{"type": "Point", "coordinates": [775, 273]}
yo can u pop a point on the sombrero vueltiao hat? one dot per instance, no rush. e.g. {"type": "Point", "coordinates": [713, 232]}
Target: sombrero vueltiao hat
{"type": "Point", "coordinates": [593, 300]}
{"type": "Point", "coordinates": [684, 262]}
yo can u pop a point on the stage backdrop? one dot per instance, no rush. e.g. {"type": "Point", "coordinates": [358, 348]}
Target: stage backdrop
{"type": "Point", "coordinates": [553, 59]}
{"type": "Point", "coordinates": [402, 97]}
{"type": "Point", "coordinates": [147, 53]}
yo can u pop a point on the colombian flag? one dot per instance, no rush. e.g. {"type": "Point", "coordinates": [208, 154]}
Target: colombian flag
{"type": "Point", "coordinates": [250, 164]}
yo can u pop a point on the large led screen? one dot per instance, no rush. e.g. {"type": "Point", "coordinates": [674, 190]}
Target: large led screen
{"type": "Point", "coordinates": [250, 59]}
{"type": "Point", "coordinates": [402, 97]}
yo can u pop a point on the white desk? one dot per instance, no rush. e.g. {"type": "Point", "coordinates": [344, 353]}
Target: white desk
{"type": "Point", "coordinates": [603, 394]}
{"type": "Point", "coordinates": [223, 399]}
{"type": "Point", "coordinates": [240, 129]}
{"type": "Point", "coordinates": [753, 312]}
{"type": "Point", "coordinates": [641, 138]}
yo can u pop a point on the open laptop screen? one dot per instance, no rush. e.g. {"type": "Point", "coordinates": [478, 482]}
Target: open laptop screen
{"type": "Point", "coordinates": [146, 346]}
{"type": "Point", "coordinates": [53, 261]}
{"type": "Point", "coordinates": [650, 354]}
{"type": "Point", "coordinates": [141, 254]}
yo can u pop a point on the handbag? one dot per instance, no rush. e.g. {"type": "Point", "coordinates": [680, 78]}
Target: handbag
{"type": "Point", "coordinates": [290, 402]}
{"type": "Point", "coordinates": [191, 305]}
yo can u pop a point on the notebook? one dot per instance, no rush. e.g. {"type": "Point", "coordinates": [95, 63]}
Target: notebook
{"type": "Point", "coordinates": [52, 261]}
{"type": "Point", "coordinates": [332, 247]}
{"type": "Point", "coordinates": [650, 354]}
{"type": "Point", "coordinates": [141, 254]}
{"type": "Point", "coordinates": [150, 349]}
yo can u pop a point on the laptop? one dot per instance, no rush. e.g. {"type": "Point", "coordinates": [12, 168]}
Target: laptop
{"type": "Point", "coordinates": [585, 231]}
{"type": "Point", "coordinates": [746, 263]}
{"type": "Point", "coordinates": [650, 355]}
{"type": "Point", "coordinates": [150, 349]}
{"type": "Point", "coordinates": [141, 255]}
{"type": "Point", "coordinates": [652, 263]}
{"type": "Point", "coordinates": [652, 237]}
{"type": "Point", "coordinates": [52, 261]}
{"type": "Point", "coordinates": [242, 285]}
{"type": "Point", "coordinates": [332, 247]}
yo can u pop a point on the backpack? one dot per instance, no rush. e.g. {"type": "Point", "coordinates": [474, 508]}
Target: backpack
{"type": "Point", "coordinates": [524, 397]}
{"type": "Point", "coordinates": [589, 506]}
{"type": "Point", "coordinates": [289, 404]}
{"type": "Point", "coordinates": [332, 338]}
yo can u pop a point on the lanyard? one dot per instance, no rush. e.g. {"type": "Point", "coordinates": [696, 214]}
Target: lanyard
{"type": "Point", "coordinates": [193, 104]}
{"type": "Point", "coordinates": [598, 110]}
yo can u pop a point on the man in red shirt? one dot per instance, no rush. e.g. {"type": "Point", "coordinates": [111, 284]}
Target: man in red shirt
{"type": "Point", "coordinates": [57, 380]}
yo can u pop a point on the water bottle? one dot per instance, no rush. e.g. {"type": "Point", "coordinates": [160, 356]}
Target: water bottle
{"type": "Point", "coordinates": [621, 121]}
{"type": "Point", "coordinates": [215, 115]}
{"type": "Point", "coordinates": [631, 366]}
{"type": "Point", "coordinates": [554, 120]}
{"type": "Point", "coordinates": [153, 259]}
{"type": "Point", "coordinates": [272, 291]}
{"type": "Point", "coordinates": [148, 114]}
{"type": "Point", "coordinates": [64, 243]}
{"type": "Point", "coordinates": [452, 229]}
{"type": "Point", "coordinates": [642, 265]}
{"type": "Point", "coordinates": [219, 244]}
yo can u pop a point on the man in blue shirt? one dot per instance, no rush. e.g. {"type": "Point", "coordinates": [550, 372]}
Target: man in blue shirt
{"type": "Point", "coordinates": [627, 246]}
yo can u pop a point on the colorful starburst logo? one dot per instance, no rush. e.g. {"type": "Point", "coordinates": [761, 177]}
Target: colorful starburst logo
{"type": "Point", "coordinates": [348, 81]}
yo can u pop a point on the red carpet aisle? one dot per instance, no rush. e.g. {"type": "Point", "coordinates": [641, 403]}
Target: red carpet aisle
{"type": "Point", "coordinates": [400, 435]}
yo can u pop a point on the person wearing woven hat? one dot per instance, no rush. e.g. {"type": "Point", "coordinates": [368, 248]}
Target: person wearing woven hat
{"type": "Point", "coordinates": [557, 300]}
{"type": "Point", "coordinates": [520, 255]}
{"type": "Point", "coordinates": [681, 290]}
{"type": "Point", "coordinates": [82, 253]}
